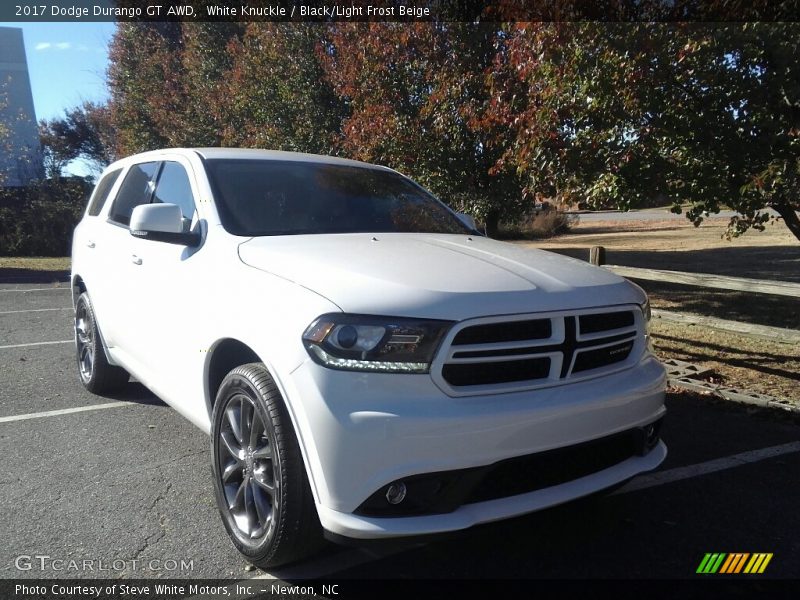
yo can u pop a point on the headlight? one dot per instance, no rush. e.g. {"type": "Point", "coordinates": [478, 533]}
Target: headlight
{"type": "Point", "coordinates": [372, 343]}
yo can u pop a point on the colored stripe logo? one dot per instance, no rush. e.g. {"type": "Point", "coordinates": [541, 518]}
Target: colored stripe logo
{"type": "Point", "coordinates": [734, 563]}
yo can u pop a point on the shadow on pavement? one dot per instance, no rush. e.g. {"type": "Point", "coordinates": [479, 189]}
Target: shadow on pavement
{"type": "Point", "coordinates": [136, 393]}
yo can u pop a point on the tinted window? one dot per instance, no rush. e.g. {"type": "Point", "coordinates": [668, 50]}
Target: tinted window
{"type": "Point", "coordinates": [265, 197]}
{"type": "Point", "coordinates": [101, 192]}
{"type": "Point", "coordinates": [136, 189]}
{"type": "Point", "coordinates": [174, 188]}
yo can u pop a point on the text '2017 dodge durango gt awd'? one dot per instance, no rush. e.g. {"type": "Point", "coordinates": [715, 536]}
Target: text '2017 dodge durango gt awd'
{"type": "Point", "coordinates": [368, 365]}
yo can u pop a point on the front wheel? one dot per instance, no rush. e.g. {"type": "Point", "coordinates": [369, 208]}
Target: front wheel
{"type": "Point", "coordinates": [97, 375]}
{"type": "Point", "coordinates": [260, 483]}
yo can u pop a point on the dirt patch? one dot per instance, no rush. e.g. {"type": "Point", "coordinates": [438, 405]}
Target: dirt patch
{"type": "Point", "coordinates": [741, 362]}
{"type": "Point", "coordinates": [679, 246]}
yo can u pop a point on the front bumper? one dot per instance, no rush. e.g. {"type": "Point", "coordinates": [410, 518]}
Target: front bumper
{"type": "Point", "coordinates": [362, 431]}
{"type": "Point", "coordinates": [355, 526]}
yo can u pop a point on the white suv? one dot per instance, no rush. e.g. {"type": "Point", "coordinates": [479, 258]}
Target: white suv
{"type": "Point", "coordinates": [368, 365]}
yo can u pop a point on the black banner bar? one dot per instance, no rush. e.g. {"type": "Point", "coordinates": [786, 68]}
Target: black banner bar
{"type": "Point", "coordinates": [716, 586]}
{"type": "Point", "coordinates": [399, 10]}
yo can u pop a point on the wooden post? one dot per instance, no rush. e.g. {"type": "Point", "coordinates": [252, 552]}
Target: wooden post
{"type": "Point", "coordinates": [597, 255]}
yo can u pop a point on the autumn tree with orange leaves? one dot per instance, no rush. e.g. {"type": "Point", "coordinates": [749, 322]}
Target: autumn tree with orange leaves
{"type": "Point", "coordinates": [415, 94]}
{"type": "Point", "coordinates": [490, 116]}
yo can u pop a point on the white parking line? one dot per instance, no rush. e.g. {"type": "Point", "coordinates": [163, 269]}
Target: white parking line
{"type": "Point", "coordinates": [14, 312]}
{"type": "Point", "coordinates": [57, 289]}
{"type": "Point", "coordinates": [712, 466]}
{"type": "Point", "coordinates": [63, 411]}
{"type": "Point", "coordinates": [37, 344]}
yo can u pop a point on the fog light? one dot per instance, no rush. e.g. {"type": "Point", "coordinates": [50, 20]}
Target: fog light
{"type": "Point", "coordinates": [396, 493]}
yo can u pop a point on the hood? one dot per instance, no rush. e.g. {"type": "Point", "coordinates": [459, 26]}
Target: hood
{"type": "Point", "coordinates": [435, 276]}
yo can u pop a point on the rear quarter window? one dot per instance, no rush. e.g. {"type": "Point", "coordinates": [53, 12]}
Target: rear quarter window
{"type": "Point", "coordinates": [101, 191]}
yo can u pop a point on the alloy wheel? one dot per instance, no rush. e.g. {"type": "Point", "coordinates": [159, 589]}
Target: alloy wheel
{"type": "Point", "coordinates": [247, 467]}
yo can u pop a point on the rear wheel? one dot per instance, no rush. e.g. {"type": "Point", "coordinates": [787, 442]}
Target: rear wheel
{"type": "Point", "coordinates": [260, 482]}
{"type": "Point", "coordinates": [97, 375]}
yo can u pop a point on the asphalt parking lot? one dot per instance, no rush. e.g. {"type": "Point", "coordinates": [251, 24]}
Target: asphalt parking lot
{"type": "Point", "coordinates": [124, 483]}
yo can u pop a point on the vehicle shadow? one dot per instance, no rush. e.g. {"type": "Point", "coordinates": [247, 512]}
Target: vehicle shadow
{"type": "Point", "coordinates": [136, 393]}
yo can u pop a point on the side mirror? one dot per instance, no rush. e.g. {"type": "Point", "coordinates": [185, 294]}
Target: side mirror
{"type": "Point", "coordinates": [467, 220]}
{"type": "Point", "coordinates": [161, 223]}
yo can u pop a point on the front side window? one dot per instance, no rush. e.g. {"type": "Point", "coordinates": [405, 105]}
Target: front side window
{"type": "Point", "coordinates": [136, 189]}
{"type": "Point", "coordinates": [174, 188]}
{"type": "Point", "coordinates": [269, 197]}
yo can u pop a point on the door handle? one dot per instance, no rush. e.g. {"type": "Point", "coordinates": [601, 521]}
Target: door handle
{"type": "Point", "coordinates": [136, 260]}
{"type": "Point", "coordinates": [90, 244]}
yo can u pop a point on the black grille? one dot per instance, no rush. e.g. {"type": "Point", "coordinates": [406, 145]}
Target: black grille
{"type": "Point", "coordinates": [510, 331]}
{"type": "Point", "coordinates": [460, 374]}
{"type": "Point", "coordinates": [507, 340]}
{"type": "Point", "coordinates": [602, 357]}
{"type": "Point", "coordinates": [546, 469]}
{"type": "Point", "coordinates": [444, 491]}
{"type": "Point", "coordinates": [605, 321]}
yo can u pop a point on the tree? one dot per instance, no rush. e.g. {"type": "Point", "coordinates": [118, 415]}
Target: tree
{"type": "Point", "coordinates": [197, 84]}
{"type": "Point", "coordinates": [413, 91]}
{"type": "Point", "coordinates": [272, 101]}
{"type": "Point", "coordinates": [85, 132]}
{"type": "Point", "coordinates": [618, 114]}
{"type": "Point", "coordinates": [141, 81]}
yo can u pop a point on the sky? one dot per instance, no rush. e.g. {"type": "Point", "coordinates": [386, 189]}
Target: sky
{"type": "Point", "coordinates": [66, 63]}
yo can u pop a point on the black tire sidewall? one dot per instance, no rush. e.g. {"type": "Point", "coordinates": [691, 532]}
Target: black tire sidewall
{"type": "Point", "coordinates": [92, 324]}
{"type": "Point", "coordinates": [241, 381]}
{"type": "Point", "coordinates": [105, 377]}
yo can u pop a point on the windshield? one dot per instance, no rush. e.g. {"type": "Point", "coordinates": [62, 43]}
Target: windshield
{"type": "Point", "coordinates": [268, 197]}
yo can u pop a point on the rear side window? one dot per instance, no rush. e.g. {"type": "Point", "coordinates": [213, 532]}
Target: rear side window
{"type": "Point", "coordinates": [101, 192]}
{"type": "Point", "coordinates": [136, 189]}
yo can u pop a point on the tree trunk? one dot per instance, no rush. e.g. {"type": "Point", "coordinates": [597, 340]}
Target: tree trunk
{"type": "Point", "coordinates": [492, 222]}
{"type": "Point", "coordinates": [790, 218]}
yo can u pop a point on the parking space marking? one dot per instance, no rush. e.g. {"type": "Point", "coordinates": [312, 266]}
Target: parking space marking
{"type": "Point", "coordinates": [37, 344]}
{"type": "Point", "coordinates": [14, 312]}
{"type": "Point", "coordinates": [711, 466]}
{"type": "Point", "coordinates": [63, 411]}
{"type": "Point", "coordinates": [57, 289]}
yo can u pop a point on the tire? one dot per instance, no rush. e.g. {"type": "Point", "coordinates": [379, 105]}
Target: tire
{"type": "Point", "coordinates": [94, 370]}
{"type": "Point", "coordinates": [260, 482]}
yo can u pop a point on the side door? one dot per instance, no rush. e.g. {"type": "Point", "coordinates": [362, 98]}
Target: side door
{"type": "Point", "coordinates": [115, 284]}
{"type": "Point", "coordinates": [167, 278]}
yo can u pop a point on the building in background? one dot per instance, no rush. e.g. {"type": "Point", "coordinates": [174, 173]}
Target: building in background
{"type": "Point", "coordinates": [20, 152]}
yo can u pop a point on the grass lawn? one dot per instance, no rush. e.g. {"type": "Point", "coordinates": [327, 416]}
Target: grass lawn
{"type": "Point", "coordinates": [35, 263]}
